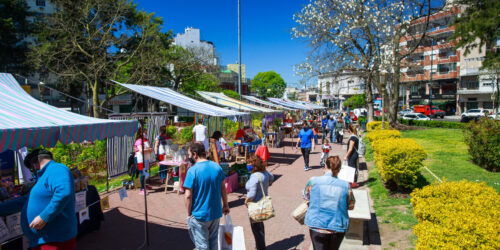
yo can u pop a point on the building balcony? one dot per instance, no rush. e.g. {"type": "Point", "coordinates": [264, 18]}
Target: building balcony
{"type": "Point", "coordinates": [464, 91]}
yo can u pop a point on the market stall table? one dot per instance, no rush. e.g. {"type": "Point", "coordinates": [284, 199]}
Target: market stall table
{"type": "Point", "coordinates": [183, 167]}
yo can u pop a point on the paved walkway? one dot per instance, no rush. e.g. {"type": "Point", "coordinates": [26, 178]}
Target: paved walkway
{"type": "Point", "coordinates": [123, 227]}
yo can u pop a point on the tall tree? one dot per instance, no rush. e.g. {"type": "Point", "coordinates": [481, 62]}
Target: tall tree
{"type": "Point", "coordinates": [94, 41]}
{"type": "Point", "coordinates": [15, 27]}
{"type": "Point", "coordinates": [201, 82]}
{"type": "Point", "coordinates": [268, 84]}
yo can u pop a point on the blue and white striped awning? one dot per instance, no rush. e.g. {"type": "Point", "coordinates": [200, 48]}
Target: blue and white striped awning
{"type": "Point", "coordinates": [27, 122]}
{"type": "Point", "coordinates": [288, 103]}
{"type": "Point", "coordinates": [172, 97]}
{"type": "Point", "coordinates": [221, 99]}
{"type": "Point", "coordinates": [262, 102]}
{"type": "Point", "coordinates": [311, 105]}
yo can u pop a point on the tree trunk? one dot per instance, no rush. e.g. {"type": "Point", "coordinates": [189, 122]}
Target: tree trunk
{"type": "Point", "coordinates": [369, 97]}
{"type": "Point", "coordinates": [394, 97]}
{"type": "Point", "coordinates": [95, 99]}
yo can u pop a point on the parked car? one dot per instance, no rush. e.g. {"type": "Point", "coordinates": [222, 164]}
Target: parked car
{"type": "Point", "coordinates": [471, 113]}
{"type": "Point", "coordinates": [404, 112]}
{"type": "Point", "coordinates": [425, 109]}
{"type": "Point", "coordinates": [416, 116]}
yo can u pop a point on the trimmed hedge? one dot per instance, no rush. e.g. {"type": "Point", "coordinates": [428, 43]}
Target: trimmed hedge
{"type": "Point", "coordinates": [376, 125]}
{"type": "Point", "coordinates": [399, 160]}
{"type": "Point", "coordinates": [483, 139]}
{"type": "Point", "coordinates": [433, 123]}
{"type": "Point", "coordinates": [383, 134]}
{"type": "Point", "coordinates": [457, 215]}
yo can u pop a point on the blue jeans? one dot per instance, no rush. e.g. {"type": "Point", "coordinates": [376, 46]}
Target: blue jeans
{"type": "Point", "coordinates": [163, 172]}
{"type": "Point", "coordinates": [332, 136]}
{"type": "Point", "coordinates": [204, 234]}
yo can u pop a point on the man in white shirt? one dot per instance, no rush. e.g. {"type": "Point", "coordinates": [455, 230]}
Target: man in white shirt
{"type": "Point", "coordinates": [200, 134]}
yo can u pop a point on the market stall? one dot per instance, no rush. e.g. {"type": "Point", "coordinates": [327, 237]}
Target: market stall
{"type": "Point", "coordinates": [221, 99]}
{"type": "Point", "coordinates": [28, 123]}
{"type": "Point", "coordinates": [265, 103]}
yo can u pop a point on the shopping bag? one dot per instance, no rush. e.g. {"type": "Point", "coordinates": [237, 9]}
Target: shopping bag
{"type": "Point", "coordinates": [299, 214]}
{"type": "Point", "coordinates": [346, 173]}
{"type": "Point", "coordinates": [238, 238]}
{"type": "Point", "coordinates": [226, 234]}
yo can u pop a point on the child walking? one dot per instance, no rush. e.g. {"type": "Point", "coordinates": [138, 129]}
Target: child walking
{"type": "Point", "coordinates": [326, 151]}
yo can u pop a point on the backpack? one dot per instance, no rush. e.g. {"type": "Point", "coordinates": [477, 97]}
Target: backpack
{"type": "Point", "coordinates": [361, 147]}
{"type": "Point", "coordinates": [132, 167]}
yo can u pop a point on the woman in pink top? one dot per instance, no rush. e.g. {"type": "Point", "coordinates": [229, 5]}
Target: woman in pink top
{"type": "Point", "coordinates": [141, 156]}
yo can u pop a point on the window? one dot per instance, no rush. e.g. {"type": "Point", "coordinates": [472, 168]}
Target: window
{"type": "Point", "coordinates": [488, 105]}
{"type": "Point", "coordinates": [446, 68]}
{"type": "Point", "coordinates": [469, 82]}
{"type": "Point", "coordinates": [40, 3]}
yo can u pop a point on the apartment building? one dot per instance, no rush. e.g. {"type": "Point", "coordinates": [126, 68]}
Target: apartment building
{"type": "Point", "coordinates": [191, 38]}
{"type": "Point", "coordinates": [334, 88]}
{"type": "Point", "coordinates": [432, 72]}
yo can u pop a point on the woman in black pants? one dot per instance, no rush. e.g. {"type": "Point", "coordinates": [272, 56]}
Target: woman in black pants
{"type": "Point", "coordinates": [352, 151]}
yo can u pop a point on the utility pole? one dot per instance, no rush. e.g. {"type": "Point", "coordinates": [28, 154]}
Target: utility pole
{"type": "Point", "coordinates": [239, 49]}
{"type": "Point", "coordinates": [430, 82]}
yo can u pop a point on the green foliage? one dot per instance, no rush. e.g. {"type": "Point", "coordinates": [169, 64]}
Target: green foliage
{"type": "Point", "coordinates": [229, 129]}
{"type": "Point", "coordinates": [376, 125]}
{"type": "Point", "coordinates": [433, 124]}
{"type": "Point", "coordinates": [457, 215]}
{"type": "Point", "coordinates": [85, 157]}
{"type": "Point", "coordinates": [479, 22]}
{"type": "Point", "coordinates": [483, 141]}
{"type": "Point", "coordinates": [355, 101]}
{"type": "Point", "coordinates": [399, 161]}
{"type": "Point", "coordinates": [172, 131]}
{"type": "Point", "coordinates": [203, 82]}
{"type": "Point", "coordinates": [268, 84]}
{"type": "Point", "coordinates": [14, 26]}
{"type": "Point", "coordinates": [231, 93]}
{"type": "Point", "coordinates": [376, 135]}
{"type": "Point", "coordinates": [186, 134]}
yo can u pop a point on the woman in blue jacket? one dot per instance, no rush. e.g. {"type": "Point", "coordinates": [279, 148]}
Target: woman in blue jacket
{"type": "Point", "coordinates": [329, 199]}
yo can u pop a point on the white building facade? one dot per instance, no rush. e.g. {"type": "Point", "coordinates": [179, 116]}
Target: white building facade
{"type": "Point", "coordinates": [334, 88]}
{"type": "Point", "coordinates": [191, 39]}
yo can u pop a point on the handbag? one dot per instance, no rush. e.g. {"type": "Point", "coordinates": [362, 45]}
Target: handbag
{"type": "Point", "coordinates": [261, 210]}
{"type": "Point", "coordinates": [299, 214]}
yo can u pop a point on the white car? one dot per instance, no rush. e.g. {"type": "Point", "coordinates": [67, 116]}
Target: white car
{"type": "Point", "coordinates": [416, 116]}
{"type": "Point", "coordinates": [471, 113]}
{"type": "Point", "coordinates": [404, 112]}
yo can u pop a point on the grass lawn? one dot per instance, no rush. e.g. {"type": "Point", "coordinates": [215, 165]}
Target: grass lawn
{"type": "Point", "coordinates": [117, 181]}
{"type": "Point", "coordinates": [448, 157]}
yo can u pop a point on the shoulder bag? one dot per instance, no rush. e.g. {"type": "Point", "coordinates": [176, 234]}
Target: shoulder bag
{"type": "Point", "coordinates": [261, 210]}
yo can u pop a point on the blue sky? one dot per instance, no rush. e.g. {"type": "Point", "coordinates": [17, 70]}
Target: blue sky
{"type": "Point", "coordinates": [266, 24]}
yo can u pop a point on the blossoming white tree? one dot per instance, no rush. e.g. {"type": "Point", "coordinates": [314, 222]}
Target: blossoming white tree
{"type": "Point", "coordinates": [360, 35]}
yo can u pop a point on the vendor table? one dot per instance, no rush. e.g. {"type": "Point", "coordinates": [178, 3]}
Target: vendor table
{"type": "Point", "coordinates": [183, 167]}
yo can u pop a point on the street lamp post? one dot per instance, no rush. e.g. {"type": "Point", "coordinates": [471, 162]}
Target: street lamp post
{"type": "Point", "coordinates": [239, 50]}
{"type": "Point", "coordinates": [430, 81]}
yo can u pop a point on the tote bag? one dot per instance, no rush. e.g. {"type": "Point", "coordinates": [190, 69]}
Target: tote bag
{"type": "Point", "coordinates": [261, 210]}
{"type": "Point", "coordinates": [231, 237]}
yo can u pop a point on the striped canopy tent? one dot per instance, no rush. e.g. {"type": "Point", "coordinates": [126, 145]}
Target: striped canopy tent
{"type": "Point", "coordinates": [27, 122]}
{"type": "Point", "coordinates": [288, 103]}
{"type": "Point", "coordinates": [221, 99]}
{"type": "Point", "coordinates": [311, 105]}
{"type": "Point", "coordinates": [262, 102]}
{"type": "Point", "coordinates": [172, 97]}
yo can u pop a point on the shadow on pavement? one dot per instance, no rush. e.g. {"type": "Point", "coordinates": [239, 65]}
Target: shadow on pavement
{"type": "Point", "coordinates": [288, 243]}
{"type": "Point", "coordinates": [131, 234]}
{"type": "Point", "coordinates": [372, 233]}
{"type": "Point", "coordinates": [280, 158]}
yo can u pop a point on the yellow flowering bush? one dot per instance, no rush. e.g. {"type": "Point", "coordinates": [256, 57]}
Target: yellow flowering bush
{"type": "Point", "coordinates": [375, 125]}
{"type": "Point", "coordinates": [383, 134]}
{"type": "Point", "coordinates": [398, 161]}
{"type": "Point", "coordinates": [457, 215]}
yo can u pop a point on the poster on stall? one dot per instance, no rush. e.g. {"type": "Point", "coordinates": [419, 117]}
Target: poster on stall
{"type": "Point", "coordinates": [14, 224]}
{"type": "Point", "coordinates": [105, 203]}
{"type": "Point", "coordinates": [84, 215]}
{"type": "Point", "coordinates": [4, 231]}
{"type": "Point", "coordinates": [80, 200]}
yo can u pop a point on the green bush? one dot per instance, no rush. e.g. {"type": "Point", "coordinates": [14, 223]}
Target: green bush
{"type": "Point", "coordinates": [186, 134]}
{"type": "Point", "coordinates": [229, 129]}
{"type": "Point", "coordinates": [399, 160]}
{"type": "Point", "coordinates": [457, 215]}
{"type": "Point", "coordinates": [433, 124]}
{"type": "Point", "coordinates": [172, 130]}
{"type": "Point", "coordinates": [376, 125]}
{"type": "Point", "coordinates": [483, 141]}
{"type": "Point", "coordinates": [86, 157]}
{"type": "Point", "coordinates": [383, 134]}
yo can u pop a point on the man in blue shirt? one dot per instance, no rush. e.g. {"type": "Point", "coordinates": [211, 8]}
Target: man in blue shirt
{"type": "Point", "coordinates": [306, 136]}
{"type": "Point", "coordinates": [48, 217]}
{"type": "Point", "coordinates": [331, 127]}
{"type": "Point", "coordinates": [205, 187]}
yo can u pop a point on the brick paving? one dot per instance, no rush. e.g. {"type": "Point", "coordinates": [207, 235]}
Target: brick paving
{"type": "Point", "coordinates": [123, 227]}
